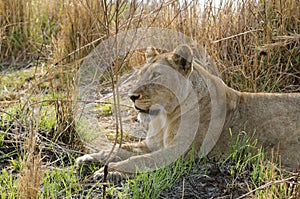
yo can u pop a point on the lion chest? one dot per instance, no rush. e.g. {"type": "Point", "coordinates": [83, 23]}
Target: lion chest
{"type": "Point", "coordinates": [159, 134]}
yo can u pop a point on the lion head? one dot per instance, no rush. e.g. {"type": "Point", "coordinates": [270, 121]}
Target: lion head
{"type": "Point", "coordinates": [163, 82]}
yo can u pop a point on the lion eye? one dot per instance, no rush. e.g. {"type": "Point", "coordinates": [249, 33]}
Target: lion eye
{"type": "Point", "coordinates": [154, 75]}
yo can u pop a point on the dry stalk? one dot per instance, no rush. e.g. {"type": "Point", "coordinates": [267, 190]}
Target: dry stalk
{"type": "Point", "coordinates": [32, 171]}
{"type": "Point", "coordinates": [275, 182]}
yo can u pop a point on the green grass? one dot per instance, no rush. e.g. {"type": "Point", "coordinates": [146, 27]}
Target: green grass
{"type": "Point", "coordinates": [150, 185]}
{"type": "Point", "coordinates": [60, 183]}
{"type": "Point", "coordinates": [8, 185]}
{"type": "Point", "coordinates": [65, 181]}
{"type": "Point", "coordinates": [244, 153]}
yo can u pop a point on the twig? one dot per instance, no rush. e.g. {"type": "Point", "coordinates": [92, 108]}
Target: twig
{"type": "Point", "coordinates": [77, 50]}
{"type": "Point", "coordinates": [14, 118]}
{"type": "Point", "coordinates": [182, 194]}
{"type": "Point", "coordinates": [107, 23]}
{"type": "Point", "coordinates": [118, 109]}
{"type": "Point", "coordinates": [267, 185]}
{"type": "Point", "coordinates": [105, 180]}
{"type": "Point", "coordinates": [236, 35]}
{"type": "Point", "coordinates": [85, 101]}
{"type": "Point", "coordinates": [5, 103]}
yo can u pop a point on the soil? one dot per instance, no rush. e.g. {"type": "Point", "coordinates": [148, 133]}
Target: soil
{"type": "Point", "coordinates": [207, 179]}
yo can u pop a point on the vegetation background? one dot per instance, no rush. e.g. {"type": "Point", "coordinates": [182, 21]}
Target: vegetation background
{"type": "Point", "coordinates": [255, 44]}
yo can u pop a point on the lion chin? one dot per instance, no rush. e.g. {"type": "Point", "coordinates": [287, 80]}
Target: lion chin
{"type": "Point", "coordinates": [273, 119]}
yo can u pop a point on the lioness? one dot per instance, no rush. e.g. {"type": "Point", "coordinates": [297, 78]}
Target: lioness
{"type": "Point", "coordinates": [166, 101]}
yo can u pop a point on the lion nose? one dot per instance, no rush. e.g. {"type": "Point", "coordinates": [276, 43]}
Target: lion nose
{"type": "Point", "coordinates": [134, 97]}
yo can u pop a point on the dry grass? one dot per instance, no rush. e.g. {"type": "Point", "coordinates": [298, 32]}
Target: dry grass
{"type": "Point", "coordinates": [32, 172]}
{"type": "Point", "coordinates": [256, 46]}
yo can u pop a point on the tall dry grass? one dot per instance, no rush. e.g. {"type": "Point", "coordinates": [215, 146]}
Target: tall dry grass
{"type": "Point", "coordinates": [31, 173]}
{"type": "Point", "coordinates": [255, 44]}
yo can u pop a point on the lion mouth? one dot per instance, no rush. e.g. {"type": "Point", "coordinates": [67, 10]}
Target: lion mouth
{"type": "Point", "coordinates": [147, 111]}
{"type": "Point", "coordinates": [141, 110]}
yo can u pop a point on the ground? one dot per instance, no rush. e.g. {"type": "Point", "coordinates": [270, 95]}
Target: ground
{"type": "Point", "coordinates": [229, 176]}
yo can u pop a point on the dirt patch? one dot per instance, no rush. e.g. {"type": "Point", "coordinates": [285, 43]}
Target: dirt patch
{"type": "Point", "coordinates": [209, 180]}
{"type": "Point", "coordinates": [13, 137]}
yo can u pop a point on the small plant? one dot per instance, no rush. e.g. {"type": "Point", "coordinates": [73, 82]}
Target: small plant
{"type": "Point", "coordinates": [243, 153]}
{"type": "Point", "coordinates": [150, 185]}
{"type": "Point", "coordinates": [104, 109]}
{"type": "Point", "coordinates": [2, 137]}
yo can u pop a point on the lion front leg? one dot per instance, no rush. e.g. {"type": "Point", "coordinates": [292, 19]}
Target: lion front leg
{"type": "Point", "coordinates": [126, 152]}
{"type": "Point", "coordinates": [137, 148]}
{"type": "Point", "coordinates": [119, 154]}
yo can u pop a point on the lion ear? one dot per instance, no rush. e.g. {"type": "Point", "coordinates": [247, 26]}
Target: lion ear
{"type": "Point", "coordinates": [183, 58]}
{"type": "Point", "coordinates": [150, 54]}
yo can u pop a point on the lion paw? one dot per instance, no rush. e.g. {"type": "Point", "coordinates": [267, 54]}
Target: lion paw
{"type": "Point", "coordinates": [86, 160]}
{"type": "Point", "coordinates": [93, 158]}
{"type": "Point", "coordinates": [112, 176]}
